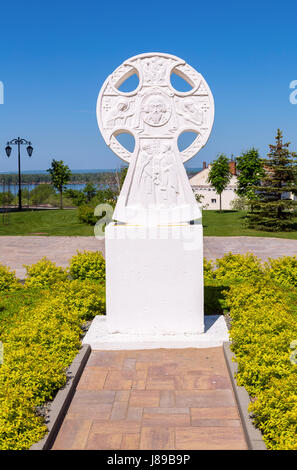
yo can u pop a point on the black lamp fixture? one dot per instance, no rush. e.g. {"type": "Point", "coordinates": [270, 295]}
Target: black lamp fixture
{"type": "Point", "coordinates": [8, 149]}
{"type": "Point", "coordinates": [30, 149]}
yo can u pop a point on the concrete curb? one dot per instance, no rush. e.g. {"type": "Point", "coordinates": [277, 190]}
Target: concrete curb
{"type": "Point", "coordinates": [60, 404]}
{"type": "Point", "coordinates": [253, 436]}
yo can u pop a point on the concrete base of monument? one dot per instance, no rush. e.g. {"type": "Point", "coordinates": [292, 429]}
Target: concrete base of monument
{"type": "Point", "coordinates": [154, 278]}
{"type": "Point", "coordinates": [100, 338]}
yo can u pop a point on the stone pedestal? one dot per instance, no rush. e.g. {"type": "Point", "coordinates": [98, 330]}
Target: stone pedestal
{"type": "Point", "coordinates": [154, 279]}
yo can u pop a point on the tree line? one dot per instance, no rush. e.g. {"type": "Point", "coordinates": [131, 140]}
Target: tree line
{"type": "Point", "coordinates": [267, 185]}
{"type": "Point", "coordinates": [102, 178]}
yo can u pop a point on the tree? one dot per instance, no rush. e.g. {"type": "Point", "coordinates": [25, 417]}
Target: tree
{"type": "Point", "coordinates": [89, 191]}
{"type": "Point", "coordinates": [219, 175]}
{"type": "Point", "coordinates": [77, 197]}
{"type": "Point", "coordinates": [60, 175]}
{"type": "Point", "coordinates": [275, 209]}
{"type": "Point", "coordinates": [250, 171]}
{"type": "Point", "coordinates": [6, 198]}
{"type": "Point", "coordinates": [120, 177]}
{"type": "Point", "coordinates": [41, 194]}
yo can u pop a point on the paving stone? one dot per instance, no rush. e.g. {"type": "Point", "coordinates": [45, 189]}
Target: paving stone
{"type": "Point", "coordinates": [234, 423]}
{"type": "Point", "coordinates": [130, 441]}
{"type": "Point", "coordinates": [157, 438]}
{"type": "Point", "coordinates": [201, 398]}
{"type": "Point", "coordinates": [134, 413]}
{"type": "Point", "coordinates": [119, 426]}
{"type": "Point", "coordinates": [166, 419]}
{"type": "Point", "coordinates": [119, 411]}
{"type": "Point", "coordinates": [209, 438]}
{"type": "Point", "coordinates": [73, 434]}
{"type": "Point", "coordinates": [83, 410]}
{"type": "Point", "coordinates": [100, 441]}
{"type": "Point", "coordinates": [167, 398]}
{"type": "Point", "coordinates": [122, 395]}
{"type": "Point", "coordinates": [144, 398]}
{"type": "Point", "coordinates": [226, 412]}
{"type": "Point", "coordinates": [119, 380]}
{"type": "Point", "coordinates": [93, 378]}
{"type": "Point", "coordinates": [92, 397]}
{"type": "Point", "coordinates": [205, 382]}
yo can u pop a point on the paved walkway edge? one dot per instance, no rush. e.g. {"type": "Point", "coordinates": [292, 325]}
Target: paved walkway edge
{"type": "Point", "coordinates": [61, 402]}
{"type": "Point", "coordinates": [253, 435]}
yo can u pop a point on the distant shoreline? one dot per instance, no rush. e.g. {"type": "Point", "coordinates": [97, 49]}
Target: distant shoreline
{"type": "Point", "coordinates": [111, 170]}
{"type": "Point", "coordinates": [103, 178]}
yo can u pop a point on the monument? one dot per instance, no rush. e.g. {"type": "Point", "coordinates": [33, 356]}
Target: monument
{"type": "Point", "coordinates": [154, 245]}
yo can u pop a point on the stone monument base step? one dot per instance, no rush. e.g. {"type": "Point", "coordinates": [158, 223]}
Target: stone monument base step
{"type": "Point", "coordinates": [98, 337]}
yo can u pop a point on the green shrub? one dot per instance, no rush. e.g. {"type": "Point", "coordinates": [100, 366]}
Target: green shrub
{"type": "Point", "coordinates": [40, 341]}
{"type": "Point", "coordinates": [237, 268]}
{"type": "Point", "coordinates": [208, 270]}
{"type": "Point", "coordinates": [44, 273]}
{"type": "Point", "coordinates": [86, 297]}
{"type": "Point", "coordinates": [263, 326]}
{"type": "Point", "coordinates": [85, 214]}
{"type": "Point", "coordinates": [283, 270]}
{"type": "Point", "coordinates": [12, 301]}
{"type": "Point", "coordinates": [8, 280]}
{"type": "Point", "coordinates": [41, 194]}
{"type": "Point", "coordinates": [88, 265]}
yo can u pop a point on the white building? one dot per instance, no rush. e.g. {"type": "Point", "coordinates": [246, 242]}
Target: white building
{"type": "Point", "coordinates": [210, 199]}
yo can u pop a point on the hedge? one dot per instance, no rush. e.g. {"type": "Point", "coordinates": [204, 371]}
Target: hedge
{"type": "Point", "coordinates": [263, 311]}
{"type": "Point", "coordinates": [41, 330]}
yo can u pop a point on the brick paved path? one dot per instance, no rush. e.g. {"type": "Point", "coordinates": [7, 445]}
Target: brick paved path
{"type": "Point", "coordinates": [16, 251]}
{"type": "Point", "coordinates": [153, 399]}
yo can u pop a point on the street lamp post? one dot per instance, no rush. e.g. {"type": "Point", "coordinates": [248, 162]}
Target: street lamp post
{"type": "Point", "coordinates": [8, 149]}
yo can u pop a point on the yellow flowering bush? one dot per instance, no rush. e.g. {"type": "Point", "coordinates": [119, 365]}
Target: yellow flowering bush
{"type": "Point", "coordinates": [283, 270]}
{"type": "Point", "coordinates": [44, 273]}
{"type": "Point", "coordinates": [8, 280]}
{"type": "Point", "coordinates": [41, 338]}
{"type": "Point", "coordinates": [88, 265]}
{"type": "Point", "coordinates": [263, 326]}
{"type": "Point", "coordinates": [233, 268]}
{"type": "Point", "coordinates": [208, 270]}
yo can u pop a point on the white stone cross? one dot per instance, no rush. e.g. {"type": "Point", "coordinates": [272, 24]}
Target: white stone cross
{"type": "Point", "coordinates": [156, 189]}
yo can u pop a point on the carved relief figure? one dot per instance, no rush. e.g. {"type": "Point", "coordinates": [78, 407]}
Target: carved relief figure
{"type": "Point", "coordinates": [155, 111]}
{"type": "Point", "coordinates": [158, 181]}
{"type": "Point", "coordinates": [146, 178]}
{"type": "Point", "coordinates": [169, 185]}
{"type": "Point", "coordinates": [119, 114]}
{"type": "Point", "coordinates": [154, 71]}
{"type": "Point", "coordinates": [190, 111]}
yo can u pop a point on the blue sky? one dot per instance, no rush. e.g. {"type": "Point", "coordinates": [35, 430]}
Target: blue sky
{"type": "Point", "coordinates": [56, 55]}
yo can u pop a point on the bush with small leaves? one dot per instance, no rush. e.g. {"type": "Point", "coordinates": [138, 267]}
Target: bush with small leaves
{"type": "Point", "coordinates": [88, 265]}
{"type": "Point", "coordinates": [8, 280]}
{"type": "Point", "coordinates": [44, 273]}
{"type": "Point", "coordinates": [283, 270]}
{"type": "Point", "coordinates": [263, 328]}
{"type": "Point", "coordinates": [236, 268]}
{"type": "Point", "coordinates": [40, 340]}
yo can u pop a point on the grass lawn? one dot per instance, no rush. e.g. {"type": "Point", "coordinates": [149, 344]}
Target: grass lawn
{"type": "Point", "coordinates": [44, 222]}
{"type": "Point", "coordinates": [232, 224]}
{"type": "Point", "coordinates": [65, 223]}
